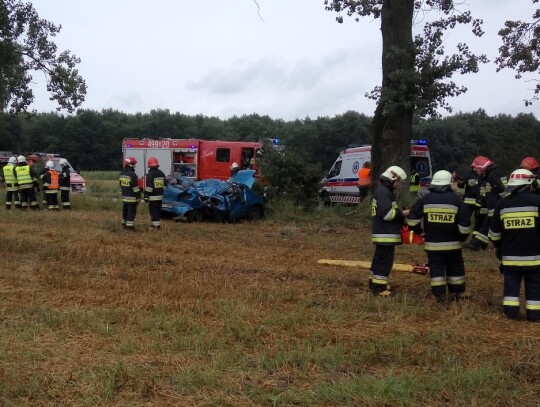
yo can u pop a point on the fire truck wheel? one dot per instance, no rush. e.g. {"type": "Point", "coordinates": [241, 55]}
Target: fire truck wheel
{"type": "Point", "coordinates": [254, 213]}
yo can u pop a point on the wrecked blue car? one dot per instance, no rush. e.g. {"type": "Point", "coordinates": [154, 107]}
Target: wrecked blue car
{"type": "Point", "coordinates": [213, 199]}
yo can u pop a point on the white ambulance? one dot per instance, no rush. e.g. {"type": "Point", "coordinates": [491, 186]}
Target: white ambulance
{"type": "Point", "coordinates": [341, 182]}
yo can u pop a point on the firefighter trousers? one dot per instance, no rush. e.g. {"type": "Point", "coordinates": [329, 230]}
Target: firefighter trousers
{"type": "Point", "coordinates": [512, 285]}
{"type": "Point", "coordinates": [52, 200]}
{"type": "Point", "coordinates": [381, 265]}
{"type": "Point", "coordinates": [64, 196]}
{"type": "Point", "coordinates": [12, 197]}
{"type": "Point", "coordinates": [446, 269]}
{"type": "Point", "coordinates": [480, 234]}
{"type": "Point", "coordinates": [129, 212]}
{"type": "Point", "coordinates": [154, 208]}
{"type": "Point", "coordinates": [28, 198]}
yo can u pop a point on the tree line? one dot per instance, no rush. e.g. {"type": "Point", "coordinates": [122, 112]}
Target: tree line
{"type": "Point", "coordinates": [92, 140]}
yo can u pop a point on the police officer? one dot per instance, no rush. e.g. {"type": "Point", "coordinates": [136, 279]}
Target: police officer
{"type": "Point", "coordinates": [515, 232]}
{"type": "Point", "coordinates": [51, 186]}
{"type": "Point", "coordinates": [387, 220]}
{"type": "Point", "coordinates": [12, 187]}
{"type": "Point", "coordinates": [492, 187]}
{"type": "Point", "coordinates": [131, 193]}
{"type": "Point", "coordinates": [529, 163]}
{"type": "Point", "coordinates": [153, 192]}
{"type": "Point", "coordinates": [447, 223]}
{"type": "Point", "coordinates": [65, 184]}
{"type": "Point", "coordinates": [27, 180]}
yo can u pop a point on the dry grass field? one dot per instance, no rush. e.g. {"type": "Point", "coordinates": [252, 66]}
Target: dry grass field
{"type": "Point", "coordinates": [241, 315]}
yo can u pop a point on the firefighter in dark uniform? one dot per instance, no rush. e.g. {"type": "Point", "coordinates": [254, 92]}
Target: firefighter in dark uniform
{"type": "Point", "coordinates": [65, 184]}
{"type": "Point", "coordinates": [12, 187]}
{"type": "Point", "coordinates": [387, 220]}
{"type": "Point", "coordinates": [131, 193]}
{"type": "Point", "coordinates": [515, 232]}
{"type": "Point", "coordinates": [447, 223]}
{"type": "Point", "coordinates": [492, 188]}
{"type": "Point", "coordinates": [153, 192]}
{"type": "Point", "coordinates": [529, 163]}
{"type": "Point", "coordinates": [51, 185]}
{"type": "Point", "coordinates": [27, 180]}
{"type": "Point", "coordinates": [471, 185]}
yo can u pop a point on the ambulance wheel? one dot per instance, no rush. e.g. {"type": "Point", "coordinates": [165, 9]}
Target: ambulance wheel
{"type": "Point", "coordinates": [326, 199]}
{"type": "Point", "coordinates": [194, 216]}
{"type": "Point", "coordinates": [255, 213]}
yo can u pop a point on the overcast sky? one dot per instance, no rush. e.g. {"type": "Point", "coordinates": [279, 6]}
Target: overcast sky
{"type": "Point", "coordinates": [219, 58]}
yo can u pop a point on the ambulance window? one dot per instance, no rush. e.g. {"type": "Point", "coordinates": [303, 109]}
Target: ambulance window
{"type": "Point", "coordinates": [223, 155]}
{"type": "Point", "coordinates": [336, 169]}
{"type": "Point", "coordinates": [420, 165]}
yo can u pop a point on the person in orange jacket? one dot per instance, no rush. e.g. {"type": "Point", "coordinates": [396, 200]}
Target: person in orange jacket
{"type": "Point", "coordinates": [364, 180]}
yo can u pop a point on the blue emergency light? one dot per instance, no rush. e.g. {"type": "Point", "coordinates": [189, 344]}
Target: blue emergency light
{"type": "Point", "coordinates": [419, 142]}
{"type": "Point", "coordinates": [275, 141]}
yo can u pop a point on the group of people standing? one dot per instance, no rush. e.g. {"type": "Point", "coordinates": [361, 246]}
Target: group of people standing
{"type": "Point", "coordinates": [22, 184]}
{"type": "Point", "coordinates": [505, 213]}
{"type": "Point", "coordinates": [131, 192]}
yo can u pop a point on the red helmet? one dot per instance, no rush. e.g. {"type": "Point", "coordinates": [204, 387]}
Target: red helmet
{"type": "Point", "coordinates": [529, 163]}
{"type": "Point", "coordinates": [129, 161]}
{"type": "Point", "coordinates": [481, 163]}
{"type": "Point", "coordinates": [153, 162]}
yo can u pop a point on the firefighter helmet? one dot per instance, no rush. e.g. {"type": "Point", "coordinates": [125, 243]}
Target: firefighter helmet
{"type": "Point", "coordinates": [12, 160]}
{"type": "Point", "coordinates": [62, 161]}
{"type": "Point", "coordinates": [529, 163]}
{"type": "Point", "coordinates": [234, 166]}
{"type": "Point", "coordinates": [441, 178]}
{"type": "Point", "coordinates": [49, 164]}
{"type": "Point", "coordinates": [130, 162]}
{"type": "Point", "coordinates": [521, 177]}
{"type": "Point", "coordinates": [21, 159]}
{"type": "Point", "coordinates": [394, 173]}
{"type": "Point", "coordinates": [481, 163]}
{"type": "Point", "coordinates": [153, 162]}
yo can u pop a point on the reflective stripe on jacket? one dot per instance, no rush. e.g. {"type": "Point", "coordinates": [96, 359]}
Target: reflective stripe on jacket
{"type": "Point", "coordinates": [386, 217]}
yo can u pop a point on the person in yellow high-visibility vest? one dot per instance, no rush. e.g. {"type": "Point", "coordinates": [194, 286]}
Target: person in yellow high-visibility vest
{"type": "Point", "coordinates": [27, 180]}
{"type": "Point", "coordinates": [12, 187]}
{"type": "Point", "coordinates": [415, 183]}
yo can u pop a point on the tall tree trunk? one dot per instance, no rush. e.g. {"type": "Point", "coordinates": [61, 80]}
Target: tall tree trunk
{"type": "Point", "coordinates": [392, 122]}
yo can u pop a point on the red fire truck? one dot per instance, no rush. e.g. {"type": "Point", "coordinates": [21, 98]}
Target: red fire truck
{"type": "Point", "coordinates": [192, 158]}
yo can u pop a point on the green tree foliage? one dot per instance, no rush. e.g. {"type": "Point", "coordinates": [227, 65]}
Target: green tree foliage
{"type": "Point", "coordinates": [25, 47]}
{"type": "Point", "coordinates": [521, 49]}
{"type": "Point", "coordinates": [416, 70]}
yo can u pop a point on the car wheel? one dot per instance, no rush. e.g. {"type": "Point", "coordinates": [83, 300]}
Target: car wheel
{"type": "Point", "coordinates": [254, 213]}
{"type": "Point", "coordinates": [194, 216]}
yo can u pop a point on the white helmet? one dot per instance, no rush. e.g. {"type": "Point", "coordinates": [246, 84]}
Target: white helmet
{"type": "Point", "coordinates": [12, 160]}
{"type": "Point", "coordinates": [521, 177]}
{"type": "Point", "coordinates": [21, 159]}
{"type": "Point", "coordinates": [394, 173]}
{"type": "Point", "coordinates": [234, 165]}
{"type": "Point", "coordinates": [441, 178]}
{"type": "Point", "coordinates": [49, 164]}
{"type": "Point", "coordinates": [62, 161]}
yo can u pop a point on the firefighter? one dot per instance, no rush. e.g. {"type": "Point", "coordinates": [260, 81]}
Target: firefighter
{"type": "Point", "coordinates": [27, 180]}
{"type": "Point", "coordinates": [51, 185]}
{"type": "Point", "coordinates": [492, 188]}
{"type": "Point", "coordinates": [65, 183]}
{"type": "Point", "coordinates": [234, 169]}
{"type": "Point", "coordinates": [364, 180]}
{"type": "Point", "coordinates": [471, 185]}
{"type": "Point", "coordinates": [153, 192]}
{"type": "Point", "coordinates": [12, 187]}
{"type": "Point", "coordinates": [529, 163]}
{"type": "Point", "coordinates": [414, 183]}
{"type": "Point", "coordinates": [515, 233]}
{"type": "Point", "coordinates": [131, 193]}
{"type": "Point", "coordinates": [387, 220]}
{"type": "Point", "coordinates": [447, 223]}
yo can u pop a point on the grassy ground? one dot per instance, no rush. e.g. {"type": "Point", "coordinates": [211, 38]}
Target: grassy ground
{"type": "Point", "coordinates": [240, 315]}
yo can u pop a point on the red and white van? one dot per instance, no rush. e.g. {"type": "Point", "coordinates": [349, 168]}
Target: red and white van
{"type": "Point", "coordinates": [341, 182]}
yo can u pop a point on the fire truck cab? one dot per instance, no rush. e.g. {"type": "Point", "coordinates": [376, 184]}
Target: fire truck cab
{"type": "Point", "coordinates": [193, 158]}
{"type": "Point", "coordinates": [341, 181]}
